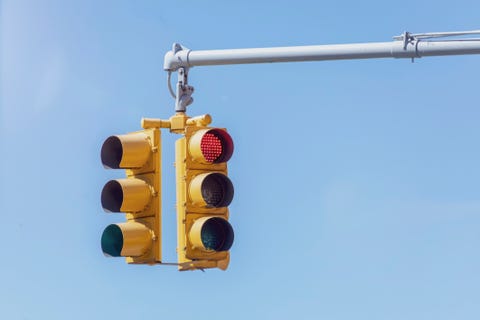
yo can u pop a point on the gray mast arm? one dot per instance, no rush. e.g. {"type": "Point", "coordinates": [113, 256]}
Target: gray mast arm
{"type": "Point", "coordinates": [406, 46]}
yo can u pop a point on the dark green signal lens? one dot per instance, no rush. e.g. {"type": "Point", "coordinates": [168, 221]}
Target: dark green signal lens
{"type": "Point", "coordinates": [217, 234]}
{"type": "Point", "coordinates": [112, 241]}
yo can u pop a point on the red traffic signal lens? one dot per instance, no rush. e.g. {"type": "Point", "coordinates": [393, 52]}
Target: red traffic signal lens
{"type": "Point", "coordinates": [216, 146]}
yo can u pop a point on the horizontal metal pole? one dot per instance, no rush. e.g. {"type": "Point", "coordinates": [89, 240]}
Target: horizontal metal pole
{"type": "Point", "coordinates": [183, 57]}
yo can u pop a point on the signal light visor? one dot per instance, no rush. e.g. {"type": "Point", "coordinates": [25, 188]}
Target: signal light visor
{"type": "Point", "coordinates": [125, 151]}
{"type": "Point", "coordinates": [130, 239]}
{"type": "Point", "coordinates": [125, 195]}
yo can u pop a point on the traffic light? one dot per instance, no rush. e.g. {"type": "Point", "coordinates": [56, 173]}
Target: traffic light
{"type": "Point", "coordinates": [138, 195]}
{"type": "Point", "coordinates": [204, 192]}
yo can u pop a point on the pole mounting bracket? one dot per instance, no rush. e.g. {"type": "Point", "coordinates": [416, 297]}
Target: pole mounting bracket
{"type": "Point", "coordinates": [177, 60]}
{"type": "Point", "coordinates": [183, 97]}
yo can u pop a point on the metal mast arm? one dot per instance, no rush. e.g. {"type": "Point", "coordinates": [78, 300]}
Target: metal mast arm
{"type": "Point", "coordinates": [405, 46]}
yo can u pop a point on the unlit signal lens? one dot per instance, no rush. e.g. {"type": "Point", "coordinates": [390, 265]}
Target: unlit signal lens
{"type": "Point", "coordinates": [217, 190]}
{"type": "Point", "coordinates": [217, 234]}
{"type": "Point", "coordinates": [212, 234]}
{"type": "Point", "coordinates": [211, 190]}
{"type": "Point", "coordinates": [112, 152]}
{"type": "Point", "coordinates": [112, 241]}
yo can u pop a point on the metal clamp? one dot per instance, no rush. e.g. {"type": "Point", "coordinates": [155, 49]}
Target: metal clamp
{"type": "Point", "coordinates": [408, 38]}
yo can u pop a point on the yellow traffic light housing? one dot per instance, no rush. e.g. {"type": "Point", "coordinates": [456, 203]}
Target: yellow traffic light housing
{"type": "Point", "coordinates": [204, 192]}
{"type": "Point", "coordinates": [138, 195]}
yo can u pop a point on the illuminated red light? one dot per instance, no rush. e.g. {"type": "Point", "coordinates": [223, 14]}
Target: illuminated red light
{"type": "Point", "coordinates": [211, 147]}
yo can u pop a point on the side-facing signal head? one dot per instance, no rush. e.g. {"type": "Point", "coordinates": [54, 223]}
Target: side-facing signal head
{"type": "Point", "coordinates": [125, 151]}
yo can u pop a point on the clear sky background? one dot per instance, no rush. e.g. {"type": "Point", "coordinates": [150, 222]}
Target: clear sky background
{"type": "Point", "coordinates": [356, 182]}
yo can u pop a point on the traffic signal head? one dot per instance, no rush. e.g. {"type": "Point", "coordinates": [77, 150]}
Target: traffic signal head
{"type": "Point", "coordinates": [204, 192]}
{"type": "Point", "coordinates": [137, 195]}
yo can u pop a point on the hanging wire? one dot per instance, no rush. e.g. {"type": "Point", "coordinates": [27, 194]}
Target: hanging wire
{"type": "Point", "coordinates": [430, 35]}
{"type": "Point", "coordinates": [172, 93]}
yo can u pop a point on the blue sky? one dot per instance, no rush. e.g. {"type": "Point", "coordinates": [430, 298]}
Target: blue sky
{"type": "Point", "coordinates": [356, 182]}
